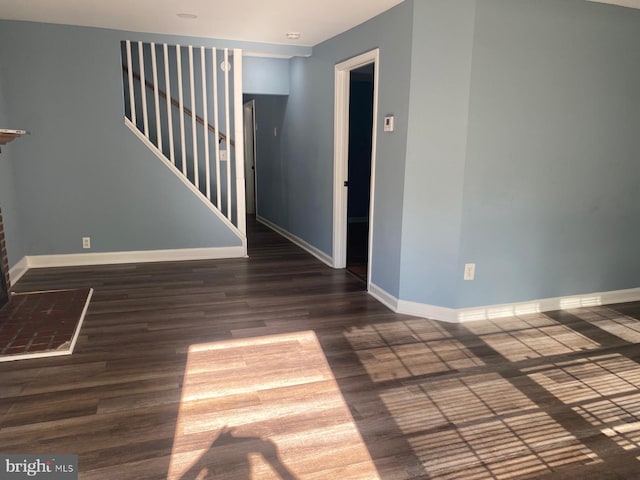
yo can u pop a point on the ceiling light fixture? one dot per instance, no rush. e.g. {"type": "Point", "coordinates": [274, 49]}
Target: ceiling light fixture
{"type": "Point", "coordinates": [293, 35]}
{"type": "Point", "coordinates": [188, 16]}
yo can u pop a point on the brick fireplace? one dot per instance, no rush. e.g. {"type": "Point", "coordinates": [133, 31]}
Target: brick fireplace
{"type": "Point", "coordinates": [5, 283]}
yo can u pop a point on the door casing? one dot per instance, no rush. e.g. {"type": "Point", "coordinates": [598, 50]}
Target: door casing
{"type": "Point", "coordinates": [249, 109]}
{"type": "Point", "coordinates": [341, 155]}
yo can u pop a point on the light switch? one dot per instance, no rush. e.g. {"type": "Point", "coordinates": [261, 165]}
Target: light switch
{"type": "Point", "coordinates": [389, 123]}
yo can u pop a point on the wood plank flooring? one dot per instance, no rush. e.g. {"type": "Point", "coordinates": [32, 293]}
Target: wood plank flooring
{"type": "Point", "coordinates": [277, 366]}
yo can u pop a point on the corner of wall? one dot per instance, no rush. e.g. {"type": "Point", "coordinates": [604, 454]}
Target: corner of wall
{"type": "Point", "coordinates": [436, 151]}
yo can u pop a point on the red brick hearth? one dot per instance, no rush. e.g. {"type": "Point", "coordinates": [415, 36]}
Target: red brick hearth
{"type": "Point", "coordinates": [5, 283]}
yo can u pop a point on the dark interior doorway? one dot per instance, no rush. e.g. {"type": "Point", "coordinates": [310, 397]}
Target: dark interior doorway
{"type": "Point", "coordinates": [359, 169]}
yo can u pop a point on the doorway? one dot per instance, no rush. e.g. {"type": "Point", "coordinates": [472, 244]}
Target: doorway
{"type": "Point", "coordinates": [354, 176]}
{"type": "Point", "coordinates": [250, 155]}
{"type": "Point", "coordinates": [359, 169]}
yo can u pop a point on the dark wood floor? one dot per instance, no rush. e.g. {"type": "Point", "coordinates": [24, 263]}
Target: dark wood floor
{"type": "Point", "coordinates": [277, 366]}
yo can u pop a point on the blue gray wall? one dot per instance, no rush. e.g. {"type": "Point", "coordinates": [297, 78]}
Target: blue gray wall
{"type": "Point", "coordinates": [522, 155]}
{"type": "Point", "coordinates": [552, 179]}
{"type": "Point", "coordinates": [267, 76]}
{"type": "Point", "coordinates": [82, 172]}
{"type": "Point", "coordinates": [8, 199]}
{"type": "Point", "coordinates": [307, 166]}
{"type": "Point", "coordinates": [436, 150]}
{"type": "Point", "coordinates": [515, 148]}
{"type": "Point", "coordinates": [271, 194]}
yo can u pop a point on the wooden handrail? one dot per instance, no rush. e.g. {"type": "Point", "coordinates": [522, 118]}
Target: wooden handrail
{"type": "Point", "coordinates": [7, 135]}
{"type": "Point", "coordinates": [175, 103]}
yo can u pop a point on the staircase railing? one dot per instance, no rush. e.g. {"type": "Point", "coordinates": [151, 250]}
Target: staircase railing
{"type": "Point", "coordinates": [151, 108]}
{"type": "Point", "coordinates": [162, 94]}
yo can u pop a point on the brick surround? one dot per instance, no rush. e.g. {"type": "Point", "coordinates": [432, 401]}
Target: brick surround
{"type": "Point", "coordinates": [5, 283]}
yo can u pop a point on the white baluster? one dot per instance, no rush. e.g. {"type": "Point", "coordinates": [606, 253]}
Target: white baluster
{"type": "Point", "coordinates": [216, 126]}
{"type": "Point", "coordinates": [205, 114]}
{"type": "Point", "coordinates": [169, 106]}
{"type": "Point", "coordinates": [227, 121]}
{"type": "Point", "coordinates": [132, 98]}
{"type": "Point", "coordinates": [156, 99]}
{"type": "Point", "coordinates": [181, 111]}
{"type": "Point", "coordinates": [238, 113]}
{"type": "Point", "coordinates": [196, 177]}
{"type": "Point", "coordinates": [143, 90]}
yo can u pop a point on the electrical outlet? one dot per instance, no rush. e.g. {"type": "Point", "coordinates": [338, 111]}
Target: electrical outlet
{"type": "Point", "coordinates": [223, 155]}
{"type": "Point", "coordinates": [469, 271]}
{"type": "Point", "coordinates": [86, 242]}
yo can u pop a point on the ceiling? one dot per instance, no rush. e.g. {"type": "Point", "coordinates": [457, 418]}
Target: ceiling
{"type": "Point", "coordinates": [622, 3]}
{"type": "Point", "coordinates": [265, 21]}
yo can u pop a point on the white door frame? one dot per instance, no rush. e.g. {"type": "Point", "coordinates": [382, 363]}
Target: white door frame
{"type": "Point", "coordinates": [251, 174]}
{"type": "Point", "coordinates": [341, 155]}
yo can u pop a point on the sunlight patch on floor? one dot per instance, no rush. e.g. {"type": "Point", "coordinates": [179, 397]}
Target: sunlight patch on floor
{"type": "Point", "coordinates": [263, 408]}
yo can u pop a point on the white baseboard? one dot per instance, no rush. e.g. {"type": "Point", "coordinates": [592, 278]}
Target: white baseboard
{"type": "Point", "coordinates": [383, 297]}
{"type": "Point", "coordinates": [18, 270]}
{"type": "Point", "coordinates": [491, 312]}
{"type": "Point", "coordinates": [425, 310]}
{"type": "Point", "coordinates": [143, 256]}
{"type": "Point", "coordinates": [319, 254]}
{"type": "Point", "coordinates": [547, 304]}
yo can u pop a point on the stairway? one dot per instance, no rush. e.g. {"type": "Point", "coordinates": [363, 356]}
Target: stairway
{"type": "Point", "coordinates": [185, 104]}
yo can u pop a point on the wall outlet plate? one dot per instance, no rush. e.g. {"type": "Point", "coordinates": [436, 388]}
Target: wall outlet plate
{"type": "Point", "coordinates": [223, 155]}
{"type": "Point", "coordinates": [469, 271]}
{"type": "Point", "coordinates": [86, 242]}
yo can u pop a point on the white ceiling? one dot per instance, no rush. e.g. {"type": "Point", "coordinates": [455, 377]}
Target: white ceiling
{"type": "Point", "coordinates": [252, 20]}
{"type": "Point", "coordinates": [622, 3]}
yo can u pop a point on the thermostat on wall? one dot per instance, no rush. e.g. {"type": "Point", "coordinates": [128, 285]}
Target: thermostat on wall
{"type": "Point", "coordinates": [388, 123]}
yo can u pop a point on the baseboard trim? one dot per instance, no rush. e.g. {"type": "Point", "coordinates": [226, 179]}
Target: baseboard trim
{"type": "Point", "coordinates": [18, 270]}
{"type": "Point", "coordinates": [144, 256]}
{"type": "Point", "coordinates": [547, 304]}
{"type": "Point", "coordinates": [383, 297]}
{"type": "Point", "coordinates": [319, 254]}
{"type": "Point", "coordinates": [444, 314]}
{"type": "Point", "coordinates": [493, 312]}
